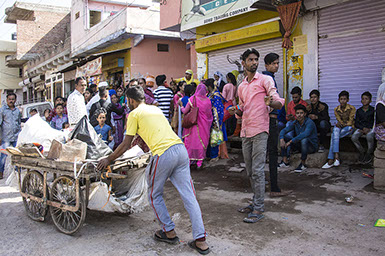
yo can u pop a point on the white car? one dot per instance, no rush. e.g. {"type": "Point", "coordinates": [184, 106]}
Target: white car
{"type": "Point", "coordinates": [39, 106]}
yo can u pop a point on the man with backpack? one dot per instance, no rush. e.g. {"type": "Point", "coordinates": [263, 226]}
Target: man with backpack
{"type": "Point", "coordinates": [105, 106]}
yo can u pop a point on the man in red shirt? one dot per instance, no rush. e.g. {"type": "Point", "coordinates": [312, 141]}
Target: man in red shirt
{"type": "Point", "coordinates": [296, 94]}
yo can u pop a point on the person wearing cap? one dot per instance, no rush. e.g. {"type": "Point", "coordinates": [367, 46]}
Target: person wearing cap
{"type": "Point", "coordinates": [96, 98]}
{"type": "Point", "coordinates": [188, 77]}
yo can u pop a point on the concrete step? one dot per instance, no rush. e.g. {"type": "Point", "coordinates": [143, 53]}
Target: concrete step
{"type": "Point", "coordinates": [317, 160]}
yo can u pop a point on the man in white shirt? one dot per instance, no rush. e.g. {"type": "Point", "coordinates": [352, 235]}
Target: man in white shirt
{"type": "Point", "coordinates": [76, 106]}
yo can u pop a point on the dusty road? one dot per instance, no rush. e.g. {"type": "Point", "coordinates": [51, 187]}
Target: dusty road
{"type": "Point", "coordinates": [314, 220]}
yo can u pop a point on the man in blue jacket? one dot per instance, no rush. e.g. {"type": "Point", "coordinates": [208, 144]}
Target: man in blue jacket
{"type": "Point", "coordinates": [305, 139]}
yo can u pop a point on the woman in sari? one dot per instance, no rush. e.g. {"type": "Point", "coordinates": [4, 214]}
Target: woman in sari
{"type": "Point", "coordinates": [196, 138]}
{"type": "Point", "coordinates": [218, 112]}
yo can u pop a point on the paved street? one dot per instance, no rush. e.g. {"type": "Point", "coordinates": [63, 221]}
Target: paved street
{"type": "Point", "coordinates": [314, 220]}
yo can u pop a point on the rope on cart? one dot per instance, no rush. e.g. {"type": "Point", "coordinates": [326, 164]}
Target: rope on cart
{"type": "Point", "coordinates": [110, 187]}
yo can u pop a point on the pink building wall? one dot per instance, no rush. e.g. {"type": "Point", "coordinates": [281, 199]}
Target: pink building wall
{"type": "Point", "coordinates": [170, 15]}
{"type": "Point", "coordinates": [145, 59]}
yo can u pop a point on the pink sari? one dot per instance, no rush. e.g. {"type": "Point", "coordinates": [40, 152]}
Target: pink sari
{"type": "Point", "coordinates": [196, 138]}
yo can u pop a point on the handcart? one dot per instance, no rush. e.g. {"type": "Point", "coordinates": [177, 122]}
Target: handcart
{"type": "Point", "coordinates": [67, 196]}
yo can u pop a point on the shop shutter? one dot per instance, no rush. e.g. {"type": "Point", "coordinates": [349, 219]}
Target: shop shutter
{"type": "Point", "coordinates": [218, 59]}
{"type": "Point", "coordinates": [351, 50]}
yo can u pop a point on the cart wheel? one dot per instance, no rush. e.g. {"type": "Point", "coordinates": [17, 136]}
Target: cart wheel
{"type": "Point", "coordinates": [33, 184]}
{"type": "Point", "coordinates": [64, 191]}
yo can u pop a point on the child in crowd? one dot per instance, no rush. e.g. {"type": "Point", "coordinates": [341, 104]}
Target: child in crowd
{"type": "Point", "coordinates": [345, 123]}
{"type": "Point", "coordinates": [102, 128]}
{"type": "Point", "coordinates": [32, 112]}
{"type": "Point", "coordinates": [59, 118]}
{"type": "Point", "coordinates": [66, 125]}
{"type": "Point", "coordinates": [364, 123]}
{"type": "Point", "coordinates": [46, 115]}
{"type": "Point", "coordinates": [58, 100]}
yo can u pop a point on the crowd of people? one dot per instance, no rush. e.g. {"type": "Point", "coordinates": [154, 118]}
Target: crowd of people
{"type": "Point", "coordinates": [186, 121]}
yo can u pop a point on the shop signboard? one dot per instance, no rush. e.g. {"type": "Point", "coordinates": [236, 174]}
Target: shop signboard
{"type": "Point", "coordinates": [196, 13]}
{"type": "Point", "coordinates": [91, 68]}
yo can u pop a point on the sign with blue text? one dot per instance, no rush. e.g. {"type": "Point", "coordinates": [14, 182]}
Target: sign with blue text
{"type": "Point", "coordinates": [196, 13]}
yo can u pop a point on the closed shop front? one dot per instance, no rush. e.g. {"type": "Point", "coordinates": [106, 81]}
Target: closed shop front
{"type": "Point", "coordinates": [218, 60]}
{"type": "Point", "coordinates": [351, 50]}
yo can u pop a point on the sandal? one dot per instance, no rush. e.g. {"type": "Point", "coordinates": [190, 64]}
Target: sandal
{"type": "Point", "coordinates": [247, 209]}
{"type": "Point", "coordinates": [253, 217]}
{"type": "Point", "coordinates": [193, 245]}
{"type": "Point", "coordinates": [163, 238]}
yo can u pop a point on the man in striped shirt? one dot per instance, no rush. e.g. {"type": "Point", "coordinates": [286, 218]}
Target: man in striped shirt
{"type": "Point", "coordinates": [163, 96]}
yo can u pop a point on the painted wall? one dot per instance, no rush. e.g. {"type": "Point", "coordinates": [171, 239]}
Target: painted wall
{"type": "Point", "coordinates": [170, 15]}
{"type": "Point", "coordinates": [9, 77]}
{"type": "Point", "coordinates": [145, 59]}
{"type": "Point", "coordinates": [310, 60]}
{"type": "Point", "coordinates": [82, 37]}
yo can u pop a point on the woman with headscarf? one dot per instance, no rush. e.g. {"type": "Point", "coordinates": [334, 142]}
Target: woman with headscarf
{"type": "Point", "coordinates": [379, 128]}
{"type": "Point", "coordinates": [218, 113]}
{"type": "Point", "coordinates": [220, 79]}
{"type": "Point", "coordinates": [196, 138]}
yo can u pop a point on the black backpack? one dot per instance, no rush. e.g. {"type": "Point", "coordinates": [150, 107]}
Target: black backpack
{"type": "Point", "coordinates": [93, 119]}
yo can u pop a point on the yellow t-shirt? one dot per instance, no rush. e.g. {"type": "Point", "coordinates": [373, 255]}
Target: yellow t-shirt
{"type": "Point", "coordinates": [149, 122]}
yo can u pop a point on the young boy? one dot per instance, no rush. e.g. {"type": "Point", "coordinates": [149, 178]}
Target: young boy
{"type": "Point", "coordinates": [58, 100]}
{"type": "Point", "coordinates": [319, 112]}
{"type": "Point", "coordinates": [66, 125]}
{"type": "Point", "coordinates": [59, 118]}
{"type": "Point", "coordinates": [305, 139]}
{"type": "Point", "coordinates": [102, 128]}
{"type": "Point", "coordinates": [364, 123]}
{"type": "Point", "coordinates": [33, 112]}
{"type": "Point", "coordinates": [345, 122]}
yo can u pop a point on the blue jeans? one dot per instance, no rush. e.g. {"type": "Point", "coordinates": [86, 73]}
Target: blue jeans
{"type": "Point", "coordinates": [335, 139]}
{"type": "Point", "coordinates": [304, 146]}
{"type": "Point", "coordinates": [281, 125]}
{"type": "Point", "coordinates": [291, 133]}
{"type": "Point", "coordinates": [3, 157]}
{"type": "Point", "coordinates": [369, 138]}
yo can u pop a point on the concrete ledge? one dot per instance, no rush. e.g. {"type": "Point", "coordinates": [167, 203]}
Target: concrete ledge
{"type": "Point", "coordinates": [317, 160]}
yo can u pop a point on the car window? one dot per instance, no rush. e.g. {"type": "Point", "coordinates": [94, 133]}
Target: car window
{"type": "Point", "coordinates": [40, 108]}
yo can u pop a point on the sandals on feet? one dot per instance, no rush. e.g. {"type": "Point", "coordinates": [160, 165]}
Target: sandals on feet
{"type": "Point", "coordinates": [193, 245]}
{"type": "Point", "coordinates": [253, 217]}
{"type": "Point", "coordinates": [247, 209]}
{"type": "Point", "coordinates": [162, 237]}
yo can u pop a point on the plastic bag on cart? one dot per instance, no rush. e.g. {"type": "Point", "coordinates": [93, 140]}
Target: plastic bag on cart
{"type": "Point", "coordinates": [85, 132]}
{"type": "Point", "coordinates": [36, 130]}
{"type": "Point", "coordinates": [130, 194]}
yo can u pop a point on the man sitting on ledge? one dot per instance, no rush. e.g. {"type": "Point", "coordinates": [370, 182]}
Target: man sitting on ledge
{"type": "Point", "coordinates": [305, 140]}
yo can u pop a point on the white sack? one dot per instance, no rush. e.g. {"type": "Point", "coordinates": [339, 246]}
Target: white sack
{"type": "Point", "coordinates": [133, 201]}
{"type": "Point", "coordinates": [36, 130]}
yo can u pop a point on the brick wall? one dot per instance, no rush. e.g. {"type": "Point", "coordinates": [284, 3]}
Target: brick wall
{"type": "Point", "coordinates": [39, 36]}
